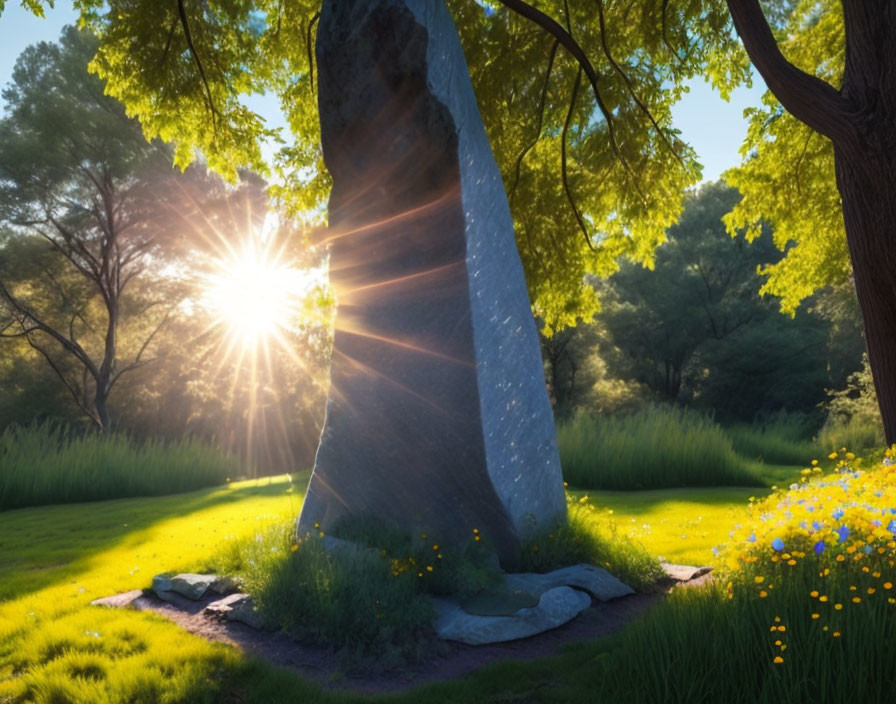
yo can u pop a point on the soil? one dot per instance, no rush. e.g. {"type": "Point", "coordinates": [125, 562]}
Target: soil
{"type": "Point", "coordinates": [455, 660]}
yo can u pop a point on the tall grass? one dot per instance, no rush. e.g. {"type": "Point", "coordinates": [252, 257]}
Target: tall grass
{"type": "Point", "coordinates": [778, 442]}
{"type": "Point", "coordinates": [656, 447]}
{"type": "Point", "coordinates": [49, 464]}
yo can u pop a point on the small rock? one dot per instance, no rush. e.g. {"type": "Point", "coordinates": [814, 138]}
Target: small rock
{"type": "Point", "coordinates": [225, 585]}
{"type": "Point", "coordinates": [119, 601]}
{"type": "Point", "coordinates": [684, 573]}
{"type": "Point", "coordinates": [596, 581]}
{"type": "Point", "coordinates": [192, 586]}
{"type": "Point", "coordinates": [236, 607]}
{"type": "Point", "coordinates": [555, 607]}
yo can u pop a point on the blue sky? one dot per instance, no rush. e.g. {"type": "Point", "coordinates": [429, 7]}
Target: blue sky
{"type": "Point", "coordinates": [713, 127]}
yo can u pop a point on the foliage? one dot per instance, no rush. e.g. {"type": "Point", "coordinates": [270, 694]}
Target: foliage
{"type": "Point", "coordinates": [184, 76]}
{"type": "Point", "coordinates": [853, 414]}
{"type": "Point", "coordinates": [787, 178]}
{"type": "Point", "coordinates": [92, 214]}
{"type": "Point", "coordinates": [50, 464]}
{"type": "Point", "coordinates": [652, 448]}
{"type": "Point", "coordinates": [587, 536]}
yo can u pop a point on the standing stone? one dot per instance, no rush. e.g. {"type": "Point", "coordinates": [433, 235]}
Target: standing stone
{"type": "Point", "coordinates": [438, 419]}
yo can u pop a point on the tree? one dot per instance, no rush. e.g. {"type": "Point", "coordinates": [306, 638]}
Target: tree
{"type": "Point", "coordinates": [85, 198]}
{"type": "Point", "coordinates": [610, 151]}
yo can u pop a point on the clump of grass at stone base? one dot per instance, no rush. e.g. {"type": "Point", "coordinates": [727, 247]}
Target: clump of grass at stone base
{"type": "Point", "coordinates": [369, 600]}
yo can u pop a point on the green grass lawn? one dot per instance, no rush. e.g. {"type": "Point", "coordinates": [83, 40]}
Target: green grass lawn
{"type": "Point", "coordinates": [54, 647]}
{"type": "Point", "coordinates": [682, 526]}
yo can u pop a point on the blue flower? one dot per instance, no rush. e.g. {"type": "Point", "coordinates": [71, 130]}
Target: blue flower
{"type": "Point", "coordinates": [778, 544]}
{"type": "Point", "coordinates": [752, 538]}
{"type": "Point", "coordinates": [819, 547]}
{"type": "Point", "coordinates": [891, 526]}
{"type": "Point", "coordinates": [838, 514]}
{"type": "Point", "coordinates": [816, 525]}
{"type": "Point", "coordinates": [843, 532]}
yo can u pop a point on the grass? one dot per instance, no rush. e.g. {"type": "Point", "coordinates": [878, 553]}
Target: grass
{"type": "Point", "coordinates": [368, 598]}
{"type": "Point", "coordinates": [48, 464]}
{"type": "Point", "coordinates": [697, 645]}
{"type": "Point", "coordinates": [858, 434]}
{"type": "Point", "coordinates": [774, 443]}
{"type": "Point", "coordinates": [656, 447]}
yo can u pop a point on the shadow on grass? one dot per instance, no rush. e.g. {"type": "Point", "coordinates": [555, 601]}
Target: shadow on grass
{"type": "Point", "coordinates": [45, 545]}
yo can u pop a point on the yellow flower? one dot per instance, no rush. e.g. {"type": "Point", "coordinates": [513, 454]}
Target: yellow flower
{"type": "Point", "coordinates": [429, 568]}
{"type": "Point", "coordinates": [888, 585]}
{"type": "Point", "coordinates": [832, 456]}
{"type": "Point", "coordinates": [836, 634]}
{"type": "Point", "coordinates": [856, 599]}
{"type": "Point", "coordinates": [838, 606]}
{"type": "Point", "coordinates": [813, 593]}
{"type": "Point", "coordinates": [814, 463]}
{"type": "Point", "coordinates": [294, 547]}
{"type": "Point", "coordinates": [822, 598]}
{"type": "Point", "coordinates": [435, 547]}
{"type": "Point", "coordinates": [759, 580]}
{"type": "Point", "coordinates": [814, 615]}
{"type": "Point", "coordinates": [778, 660]}
{"type": "Point", "coordinates": [763, 594]}
{"type": "Point", "coordinates": [871, 590]}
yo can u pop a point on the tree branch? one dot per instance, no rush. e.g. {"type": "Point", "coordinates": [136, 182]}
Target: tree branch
{"type": "Point", "coordinates": [563, 171]}
{"type": "Point", "coordinates": [628, 83]}
{"type": "Point", "coordinates": [541, 105]}
{"type": "Point", "coordinates": [311, 22]}
{"type": "Point", "coordinates": [808, 98]}
{"type": "Point", "coordinates": [186, 25]}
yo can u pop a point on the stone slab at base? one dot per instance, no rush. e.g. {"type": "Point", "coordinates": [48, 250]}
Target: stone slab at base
{"type": "Point", "coordinates": [555, 607]}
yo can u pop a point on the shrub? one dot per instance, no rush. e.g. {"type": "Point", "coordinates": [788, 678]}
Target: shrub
{"type": "Point", "coordinates": [656, 447]}
{"type": "Point", "coordinates": [49, 464]}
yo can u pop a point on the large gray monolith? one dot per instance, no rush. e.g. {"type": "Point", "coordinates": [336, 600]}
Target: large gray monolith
{"type": "Point", "coordinates": [437, 419]}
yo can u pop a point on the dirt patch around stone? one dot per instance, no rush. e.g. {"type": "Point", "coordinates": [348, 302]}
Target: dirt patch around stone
{"type": "Point", "coordinates": [454, 660]}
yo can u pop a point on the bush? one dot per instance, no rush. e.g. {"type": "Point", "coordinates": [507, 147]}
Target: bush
{"type": "Point", "coordinates": [49, 464]}
{"type": "Point", "coordinates": [656, 447]}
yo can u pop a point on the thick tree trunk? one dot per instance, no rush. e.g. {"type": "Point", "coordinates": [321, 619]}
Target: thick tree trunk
{"type": "Point", "coordinates": [868, 190]}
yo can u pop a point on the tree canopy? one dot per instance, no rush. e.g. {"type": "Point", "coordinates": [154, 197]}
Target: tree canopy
{"type": "Point", "coordinates": [594, 169]}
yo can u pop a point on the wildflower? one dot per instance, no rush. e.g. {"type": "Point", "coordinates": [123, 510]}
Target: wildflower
{"type": "Point", "coordinates": [814, 616]}
{"type": "Point", "coordinates": [836, 634]}
{"type": "Point", "coordinates": [294, 547]}
{"type": "Point", "coordinates": [778, 660]}
{"type": "Point", "coordinates": [778, 544]}
{"type": "Point", "coordinates": [888, 585]}
{"type": "Point", "coordinates": [819, 547]}
{"type": "Point", "coordinates": [759, 580]}
{"type": "Point", "coordinates": [763, 594]}
{"type": "Point", "coordinates": [856, 599]}
{"type": "Point", "coordinates": [813, 593]}
{"type": "Point", "coordinates": [838, 607]}
{"type": "Point", "coordinates": [435, 547]}
{"type": "Point", "coordinates": [832, 456]}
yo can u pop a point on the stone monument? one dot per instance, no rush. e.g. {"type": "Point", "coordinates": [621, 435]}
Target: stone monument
{"type": "Point", "coordinates": [437, 420]}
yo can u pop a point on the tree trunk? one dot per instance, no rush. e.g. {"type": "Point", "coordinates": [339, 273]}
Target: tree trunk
{"type": "Point", "coordinates": [868, 191]}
